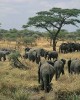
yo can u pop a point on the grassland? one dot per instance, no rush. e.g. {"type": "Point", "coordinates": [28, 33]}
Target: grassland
{"type": "Point", "coordinates": [17, 84]}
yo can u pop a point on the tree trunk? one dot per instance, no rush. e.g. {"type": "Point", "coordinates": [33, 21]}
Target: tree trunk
{"type": "Point", "coordinates": [54, 44]}
{"type": "Point", "coordinates": [50, 42]}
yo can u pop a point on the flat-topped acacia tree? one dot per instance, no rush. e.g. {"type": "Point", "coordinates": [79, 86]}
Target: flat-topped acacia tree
{"type": "Point", "coordinates": [54, 19]}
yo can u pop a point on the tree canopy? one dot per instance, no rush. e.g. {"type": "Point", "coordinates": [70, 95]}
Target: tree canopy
{"type": "Point", "coordinates": [54, 19]}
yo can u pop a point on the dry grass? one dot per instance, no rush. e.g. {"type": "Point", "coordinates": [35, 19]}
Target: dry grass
{"type": "Point", "coordinates": [14, 80]}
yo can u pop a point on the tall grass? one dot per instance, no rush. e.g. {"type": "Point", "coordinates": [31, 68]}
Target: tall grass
{"type": "Point", "coordinates": [17, 84]}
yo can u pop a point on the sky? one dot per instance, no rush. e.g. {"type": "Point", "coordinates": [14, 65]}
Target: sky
{"type": "Point", "coordinates": [15, 13]}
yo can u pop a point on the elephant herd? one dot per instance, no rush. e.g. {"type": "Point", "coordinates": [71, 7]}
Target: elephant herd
{"type": "Point", "coordinates": [69, 47]}
{"type": "Point", "coordinates": [49, 68]}
{"type": "Point", "coordinates": [35, 54]}
{"type": "Point", "coordinates": [46, 71]}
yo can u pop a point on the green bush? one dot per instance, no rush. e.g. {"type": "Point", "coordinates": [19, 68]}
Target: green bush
{"type": "Point", "coordinates": [29, 40]}
{"type": "Point", "coordinates": [14, 55]}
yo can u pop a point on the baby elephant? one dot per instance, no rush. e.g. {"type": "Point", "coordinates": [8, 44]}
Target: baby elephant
{"type": "Point", "coordinates": [46, 72]}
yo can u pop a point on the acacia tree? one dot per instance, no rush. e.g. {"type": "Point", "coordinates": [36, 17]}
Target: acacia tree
{"type": "Point", "coordinates": [54, 19]}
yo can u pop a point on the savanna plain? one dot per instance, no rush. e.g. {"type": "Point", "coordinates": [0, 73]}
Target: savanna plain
{"type": "Point", "coordinates": [19, 84]}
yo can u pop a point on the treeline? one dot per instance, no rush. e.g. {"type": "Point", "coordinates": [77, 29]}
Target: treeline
{"type": "Point", "coordinates": [29, 36]}
{"type": "Point", "coordinates": [26, 36]}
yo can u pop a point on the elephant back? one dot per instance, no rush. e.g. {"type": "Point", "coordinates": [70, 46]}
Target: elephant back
{"type": "Point", "coordinates": [58, 63]}
{"type": "Point", "coordinates": [47, 68]}
{"type": "Point", "coordinates": [75, 64]}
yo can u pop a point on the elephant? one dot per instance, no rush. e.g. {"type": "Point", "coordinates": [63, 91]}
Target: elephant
{"type": "Point", "coordinates": [46, 72]}
{"type": "Point", "coordinates": [74, 66]}
{"type": "Point", "coordinates": [59, 67]}
{"type": "Point", "coordinates": [40, 51]}
{"type": "Point", "coordinates": [69, 47]}
{"type": "Point", "coordinates": [46, 54]}
{"type": "Point", "coordinates": [52, 54]}
{"type": "Point", "coordinates": [63, 48]}
{"type": "Point", "coordinates": [3, 55]}
{"type": "Point", "coordinates": [34, 56]}
{"type": "Point", "coordinates": [27, 49]}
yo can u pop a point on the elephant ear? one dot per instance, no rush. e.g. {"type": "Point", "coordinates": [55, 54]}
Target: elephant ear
{"type": "Point", "coordinates": [63, 60]}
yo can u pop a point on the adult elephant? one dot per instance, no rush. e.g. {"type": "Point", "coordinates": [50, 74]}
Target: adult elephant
{"type": "Point", "coordinates": [74, 66]}
{"type": "Point", "coordinates": [46, 54]}
{"type": "Point", "coordinates": [33, 55]}
{"type": "Point", "coordinates": [46, 72]}
{"type": "Point", "coordinates": [63, 48]}
{"type": "Point", "coordinates": [53, 55]}
{"type": "Point", "coordinates": [59, 67]}
{"type": "Point", "coordinates": [40, 51]}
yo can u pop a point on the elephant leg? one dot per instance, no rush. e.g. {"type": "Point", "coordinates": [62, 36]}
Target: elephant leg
{"type": "Point", "coordinates": [4, 58]}
{"type": "Point", "coordinates": [71, 72]}
{"type": "Point", "coordinates": [39, 75]}
{"type": "Point", "coordinates": [42, 85]}
{"type": "Point", "coordinates": [0, 58]}
{"type": "Point", "coordinates": [33, 60]}
{"type": "Point", "coordinates": [45, 56]}
{"type": "Point", "coordinates": [48, 57]}
{"type": "Point", "coordinates": [62, 72]}
{"type": "Point", "coordinates": [56, 74]}
{"type": "Point", "coordinates": [46, 84]}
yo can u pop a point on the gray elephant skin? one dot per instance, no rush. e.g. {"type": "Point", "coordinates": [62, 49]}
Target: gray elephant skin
{"type": "Point", "coordinates": [35, 54]}
{"type": "Point", "coordinates": [3, 55]}
{"type": "Point", "coordinates": [74, 66]}
{"type": "Point", "coordinates": [59, 67]}
{"type": "Point", "coordinates": [45, 74]}
{"type": "Point", "coordinates": [52, 54]}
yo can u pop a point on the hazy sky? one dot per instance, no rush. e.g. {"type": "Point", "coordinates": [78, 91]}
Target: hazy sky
{"type": "Point", "coordinates": [15, 13]}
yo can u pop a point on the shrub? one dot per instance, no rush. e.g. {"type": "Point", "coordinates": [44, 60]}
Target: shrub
{"type": "Point", "coordinates": [14, 55]}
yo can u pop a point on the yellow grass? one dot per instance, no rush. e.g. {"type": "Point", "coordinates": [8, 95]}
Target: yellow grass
{"type": "Point", "coordinates": [16, 79]}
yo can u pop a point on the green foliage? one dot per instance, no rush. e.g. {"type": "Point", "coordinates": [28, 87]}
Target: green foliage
{"type": "Point", "coordinates": [29, 40]}
{"type": "Point", "coordinates": [9, 36]}
{"type": "Point", "coordinates": [55, 19]}
{"type": "Point", "coordinates": [14, 55]}
{"type": "Point", "coordinates": [35, 36]}
{"type": "Point", "coordinates": [3, 31]}
{"type": "Point", "coordinates": [74, 96]}
{"type": "Point", "coordinates": [13, 30]}
{"type": "Point", "coordinates": [63, 34]}
{"type": "Point", "coordinates": [14, 34]}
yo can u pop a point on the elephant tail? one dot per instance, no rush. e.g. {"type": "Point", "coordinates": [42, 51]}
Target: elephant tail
{"type": "Point", "coordinates": [69, 63]}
